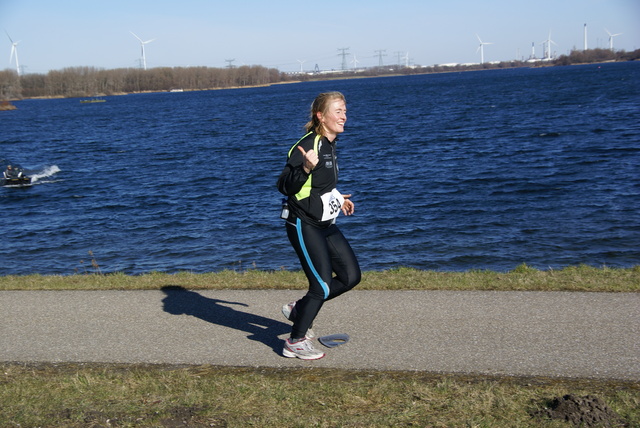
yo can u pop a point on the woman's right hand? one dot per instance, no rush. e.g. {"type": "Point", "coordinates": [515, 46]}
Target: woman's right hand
{"type": "Point", "coordinates": [309, 159]}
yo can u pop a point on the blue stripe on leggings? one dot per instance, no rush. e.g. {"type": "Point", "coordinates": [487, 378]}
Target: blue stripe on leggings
{"type": "Point", "coordinates": [324, 285]}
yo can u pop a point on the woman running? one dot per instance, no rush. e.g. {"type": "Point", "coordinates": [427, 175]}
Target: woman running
{"type": "Point", "coordinates": [309, 181]}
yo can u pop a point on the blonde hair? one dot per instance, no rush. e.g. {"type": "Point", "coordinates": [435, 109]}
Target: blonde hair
{"type": "Point", "coordinates": [321, 105]}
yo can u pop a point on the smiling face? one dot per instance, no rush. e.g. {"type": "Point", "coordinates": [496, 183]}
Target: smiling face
{"type": "Point", "coordinates": [333, 119]}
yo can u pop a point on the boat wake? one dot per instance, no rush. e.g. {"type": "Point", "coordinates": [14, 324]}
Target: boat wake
{"type": "Point", "coordinates": [46, 172]}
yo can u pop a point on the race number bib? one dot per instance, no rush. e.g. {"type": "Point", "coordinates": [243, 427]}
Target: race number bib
{"type": "Point", "coordinates": [331, 203]}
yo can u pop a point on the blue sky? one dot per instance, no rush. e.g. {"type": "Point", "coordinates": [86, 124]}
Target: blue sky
{"type": "Point", "coordinates": [63, 33]}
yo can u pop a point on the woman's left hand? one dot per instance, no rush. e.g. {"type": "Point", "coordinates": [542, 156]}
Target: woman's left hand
{"type": "Point", "coordinates": [348, 207]}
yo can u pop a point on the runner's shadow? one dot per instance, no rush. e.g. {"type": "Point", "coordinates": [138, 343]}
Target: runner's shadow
{"type": "Point", "coordinates": [181, 301]}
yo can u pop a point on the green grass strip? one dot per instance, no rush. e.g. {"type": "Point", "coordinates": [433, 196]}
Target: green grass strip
{"type": "Point", "coordinates": [522, 278]}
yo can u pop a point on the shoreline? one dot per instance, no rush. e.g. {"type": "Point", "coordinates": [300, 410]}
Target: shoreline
{"type": "Point", "coordinates": [337, 76]}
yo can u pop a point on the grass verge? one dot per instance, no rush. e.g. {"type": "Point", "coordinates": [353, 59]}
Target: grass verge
{"type": "Point", "coordinates": [73, 395]}
{"type": "Point", "coordinates": [522, 278]}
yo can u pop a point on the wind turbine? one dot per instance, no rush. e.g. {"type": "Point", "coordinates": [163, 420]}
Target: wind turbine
{"type": "Point", "coordinates": [14, 52]}
{"type": "Point", "coordinates": [355, 62]}
{"type": "Point", "coordinates": [301, 61]}
{"type": "Point", "coordinates": [611, 36]}
{"type": "Point", "coordinates": [548, 43]}
{"type": "Point", "coordinates": [406, 60]}
{"type": "Point", "coordinates": [144, 58]}
{"type": "Point", "coordinates": [481, 48]}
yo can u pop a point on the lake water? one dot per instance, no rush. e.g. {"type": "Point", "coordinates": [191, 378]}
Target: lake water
{"type": "Point", "coordinates": [450, 172]}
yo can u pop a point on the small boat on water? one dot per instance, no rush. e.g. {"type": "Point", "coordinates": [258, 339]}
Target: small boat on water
{"type": "Point", "coordinates": [16, 182]}
{"type": "Point", "coordinates": [14, 177]}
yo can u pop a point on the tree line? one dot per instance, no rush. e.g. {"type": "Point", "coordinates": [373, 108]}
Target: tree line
{"type": "Point", "coordinates": [91, 81]}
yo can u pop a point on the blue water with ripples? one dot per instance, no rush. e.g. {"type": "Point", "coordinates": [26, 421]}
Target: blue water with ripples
{"type": "Point", "coordinates": [457, 171]}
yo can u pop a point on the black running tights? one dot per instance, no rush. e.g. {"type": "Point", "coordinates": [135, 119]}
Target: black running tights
{"type": "Point", "coordinates": [322, 252]}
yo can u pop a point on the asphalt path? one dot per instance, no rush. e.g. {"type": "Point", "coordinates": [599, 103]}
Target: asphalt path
{"type": "Point", "coordinates": [551, 334]}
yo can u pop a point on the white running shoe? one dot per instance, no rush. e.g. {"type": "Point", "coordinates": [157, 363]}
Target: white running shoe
{"type": "Point", "coordinates": [286, 311]}
{"type": "Point", "coordinates": [303, 349]}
